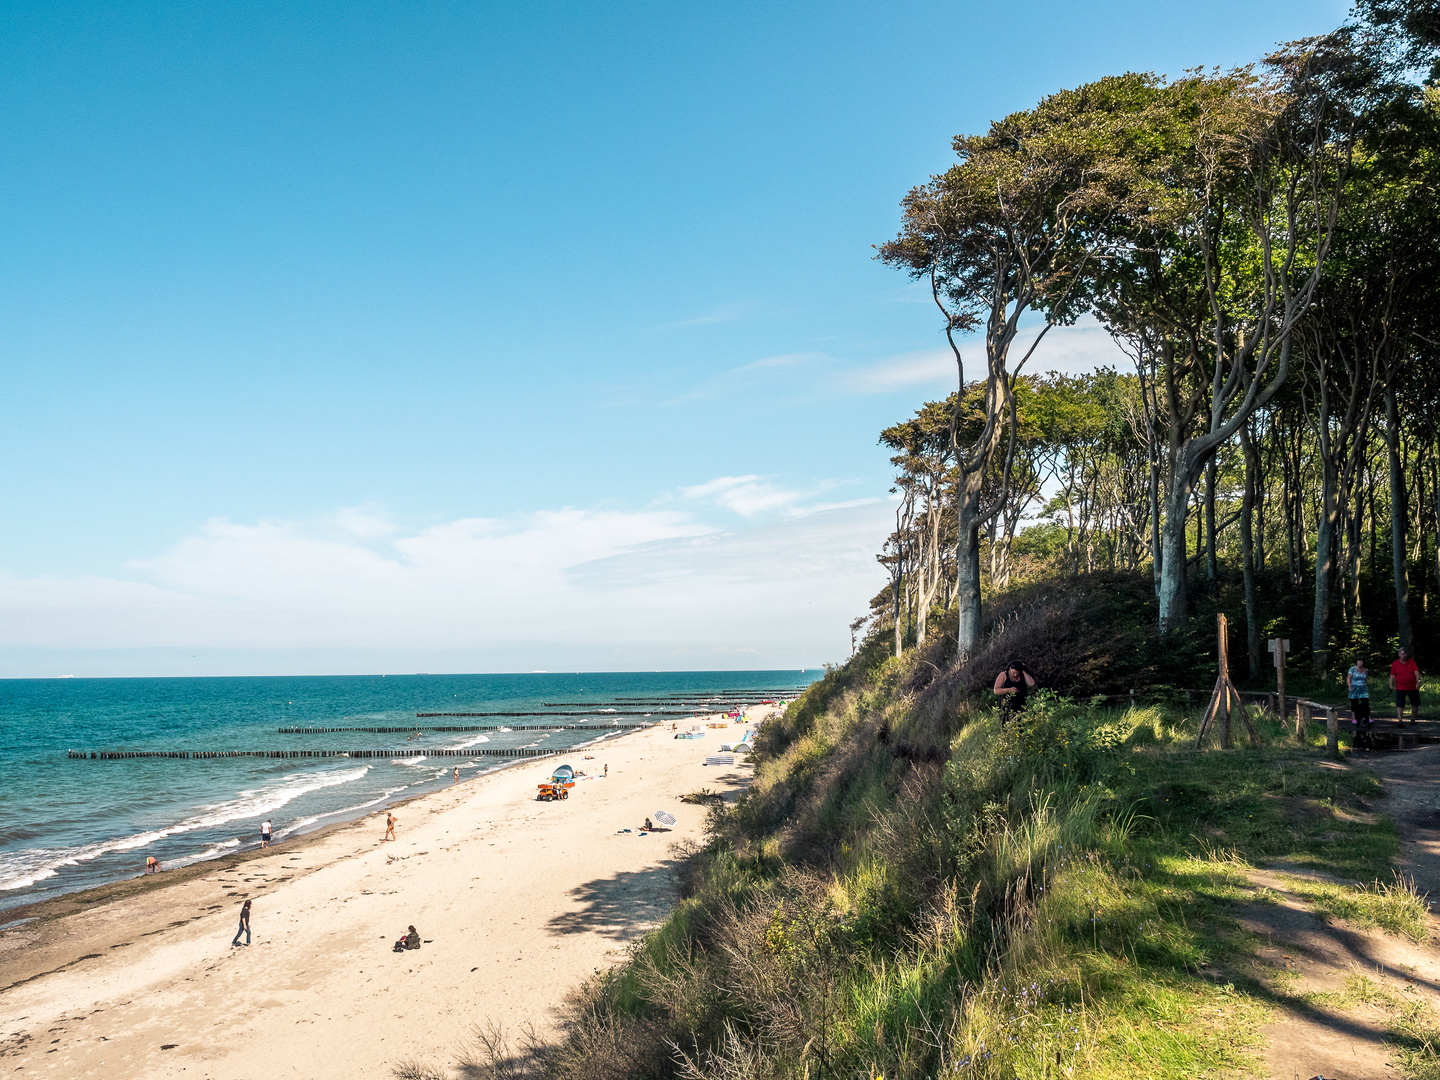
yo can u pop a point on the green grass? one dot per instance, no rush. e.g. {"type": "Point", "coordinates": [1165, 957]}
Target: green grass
{"type": "Point", "coordinates": [908, 891]}
{"type": "Point", "coordinates": [1396, 908]}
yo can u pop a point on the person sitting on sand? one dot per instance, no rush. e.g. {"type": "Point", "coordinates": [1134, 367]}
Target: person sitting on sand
{"type": "Point", "coordinates": [152, 864]}
{"type": "Point", "coordinates": [648, 826]}
{"type": "Point", "coordinates": [409, 941]}
{"type": "Point", "coordinates": [390, 820]}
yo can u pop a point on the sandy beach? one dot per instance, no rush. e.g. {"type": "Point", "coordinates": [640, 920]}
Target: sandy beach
{"type": "Point", "coordinates": [515, 899]}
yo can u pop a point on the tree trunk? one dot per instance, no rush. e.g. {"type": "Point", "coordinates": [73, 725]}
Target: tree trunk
{"type": "Point", "coordinates": [1247, 551]}
{"type": "Point", "coordinates": [1423, 581]}
{"type": "Point", "coordinates": [1352, 562]}
{"type": "Point", "coordinates": [1435, 496]}
{"type": "Point", "coordinates": [1324, 566]}
{"type": "Point", "coordinates": [967, 562]}
{"type": "Point", "coordinates": [1261, 502]}
{"type": "Point", "coordinates": [1286, 505]}
{"type": "Point", "coordinates": [899, 626]}
{"type": "Point", "coordinates": [1398, 523]}
{"type": "Point", "coordinates": [1174, 588]}
{"type": "Point", "coordinates": [1156, 560]}
{"type": "Point", "coordinates": [1212, 563]}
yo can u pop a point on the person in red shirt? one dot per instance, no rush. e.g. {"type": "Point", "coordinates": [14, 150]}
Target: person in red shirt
{"type": "Point", "coordinates": [1405, 681]}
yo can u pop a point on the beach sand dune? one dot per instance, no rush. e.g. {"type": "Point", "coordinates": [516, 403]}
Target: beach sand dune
{"type": "Point", "coordinates": [516, 900]}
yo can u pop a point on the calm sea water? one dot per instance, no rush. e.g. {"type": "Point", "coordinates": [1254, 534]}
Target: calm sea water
{"type": "Point", "coordinates": [70, 824]}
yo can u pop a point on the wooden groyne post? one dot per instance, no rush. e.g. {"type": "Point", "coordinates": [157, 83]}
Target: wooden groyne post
{"type": "Point", "coordinates": [470, 727]}
{"type": "Point", "coordinates": [408, 752]}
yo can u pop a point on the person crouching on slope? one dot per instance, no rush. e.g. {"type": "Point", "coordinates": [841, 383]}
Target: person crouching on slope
{"type": "Point", "coordinates": [1012, 687]}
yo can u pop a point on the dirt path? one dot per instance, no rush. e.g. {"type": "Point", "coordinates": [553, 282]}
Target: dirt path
{"type": "Point", "coordinates": [1342, 992]}
{"type": "Point", "coordinates": [1412, 782]}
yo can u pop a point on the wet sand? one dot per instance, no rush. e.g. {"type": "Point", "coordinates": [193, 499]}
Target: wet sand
{"type": "Point", "coordinates": [517, 900]}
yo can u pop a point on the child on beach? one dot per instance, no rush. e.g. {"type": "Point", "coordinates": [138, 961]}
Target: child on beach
{"type": "Point", "coordinates": [1357, 685]}
{"type": "Point", "coordinates": [244, 926]}
{"type": "Point", "coordinates": [152, 864]}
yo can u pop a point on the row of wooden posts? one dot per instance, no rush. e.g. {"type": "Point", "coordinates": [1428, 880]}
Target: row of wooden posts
{"type": "Point", "coordinates": [408, 752]}
{"type": "Point", "coordinates": [473, 727]}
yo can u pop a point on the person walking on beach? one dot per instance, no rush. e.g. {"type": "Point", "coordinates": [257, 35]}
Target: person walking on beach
{"type": "Point", "coordinates": [265, 833]}
{"type": "Point", "coordinates": [244, 926]}
{"type": "Point", "coordinates": [607, 768]}
{"type": "Point", "coordinates": [1012, 687]}
{"type": "Point", "coordinates": [457, 774]}
{"type": "Point", "coordinates": [1405, 681]}
{"type": "Point", "coordinates": [390, 820]}
{"type": "Point", "coordinates": [1357, 685]}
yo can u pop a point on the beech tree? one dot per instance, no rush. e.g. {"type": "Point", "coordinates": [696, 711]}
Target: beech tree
{"type": "Point", "coordinates": [1223, 264]}
{"type": "Point", "coordinates": [1015, 228]}
{"type": "Point", "coordinates": [1265, 245]}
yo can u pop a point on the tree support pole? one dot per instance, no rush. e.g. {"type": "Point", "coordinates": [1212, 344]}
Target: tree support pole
{"type": "Point", "coordinates": [1224, 692]}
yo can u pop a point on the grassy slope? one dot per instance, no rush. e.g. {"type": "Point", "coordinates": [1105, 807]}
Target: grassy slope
{"type": "Point", "coordinates": [908, 890]}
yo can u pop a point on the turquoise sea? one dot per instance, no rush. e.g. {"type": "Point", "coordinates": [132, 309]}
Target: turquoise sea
{"type": "Point", "coordinates": [70, 824]}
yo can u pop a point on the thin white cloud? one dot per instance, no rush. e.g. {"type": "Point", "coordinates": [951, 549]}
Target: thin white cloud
{"type": "Point", "coordinates": [738, 309]}
{"type": "Point", "coordinates": [1069, 350]}
{"type": "Point", "coordinates": [566, 588]}
{"type": "Point", "coordinates": [743, 495]}
{"type": "Point", "coordinates": [782, 366]}
{"type": "Point", "coordinates": [750, 496]}
{"type": "Point", "coordinates": [899, 373]}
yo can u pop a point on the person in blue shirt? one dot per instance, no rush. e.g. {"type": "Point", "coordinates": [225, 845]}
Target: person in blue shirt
{"type": "Point", "coordinates": [1357, 685]}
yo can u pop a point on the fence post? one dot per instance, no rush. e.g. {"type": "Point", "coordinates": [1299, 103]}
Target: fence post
{"type": "Point", "coordinates": [1302, 718]}
{"type": "Point", "coordinates": [1332, 732]}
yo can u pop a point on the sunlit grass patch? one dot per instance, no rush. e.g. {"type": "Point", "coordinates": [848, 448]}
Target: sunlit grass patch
{"type": "Point", "coordinates": [1396, 908]}
{"type": "Point", "coordinates": [1139, 1026]}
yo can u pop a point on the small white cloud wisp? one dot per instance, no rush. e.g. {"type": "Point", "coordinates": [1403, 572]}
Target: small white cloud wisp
{"type": "Point", "coordinates": [571, 587]}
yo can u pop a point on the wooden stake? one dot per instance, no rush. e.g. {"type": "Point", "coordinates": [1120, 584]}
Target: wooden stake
{"type": "Point", "coordinates": [1224, 691]}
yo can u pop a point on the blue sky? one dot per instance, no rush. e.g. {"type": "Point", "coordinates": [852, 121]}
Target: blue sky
{"type": "Point", "coordinates": [288, 292]}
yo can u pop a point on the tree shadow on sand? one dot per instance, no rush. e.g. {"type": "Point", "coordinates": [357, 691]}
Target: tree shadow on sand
{"type": "Point", "coordinates": [621, 906]}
